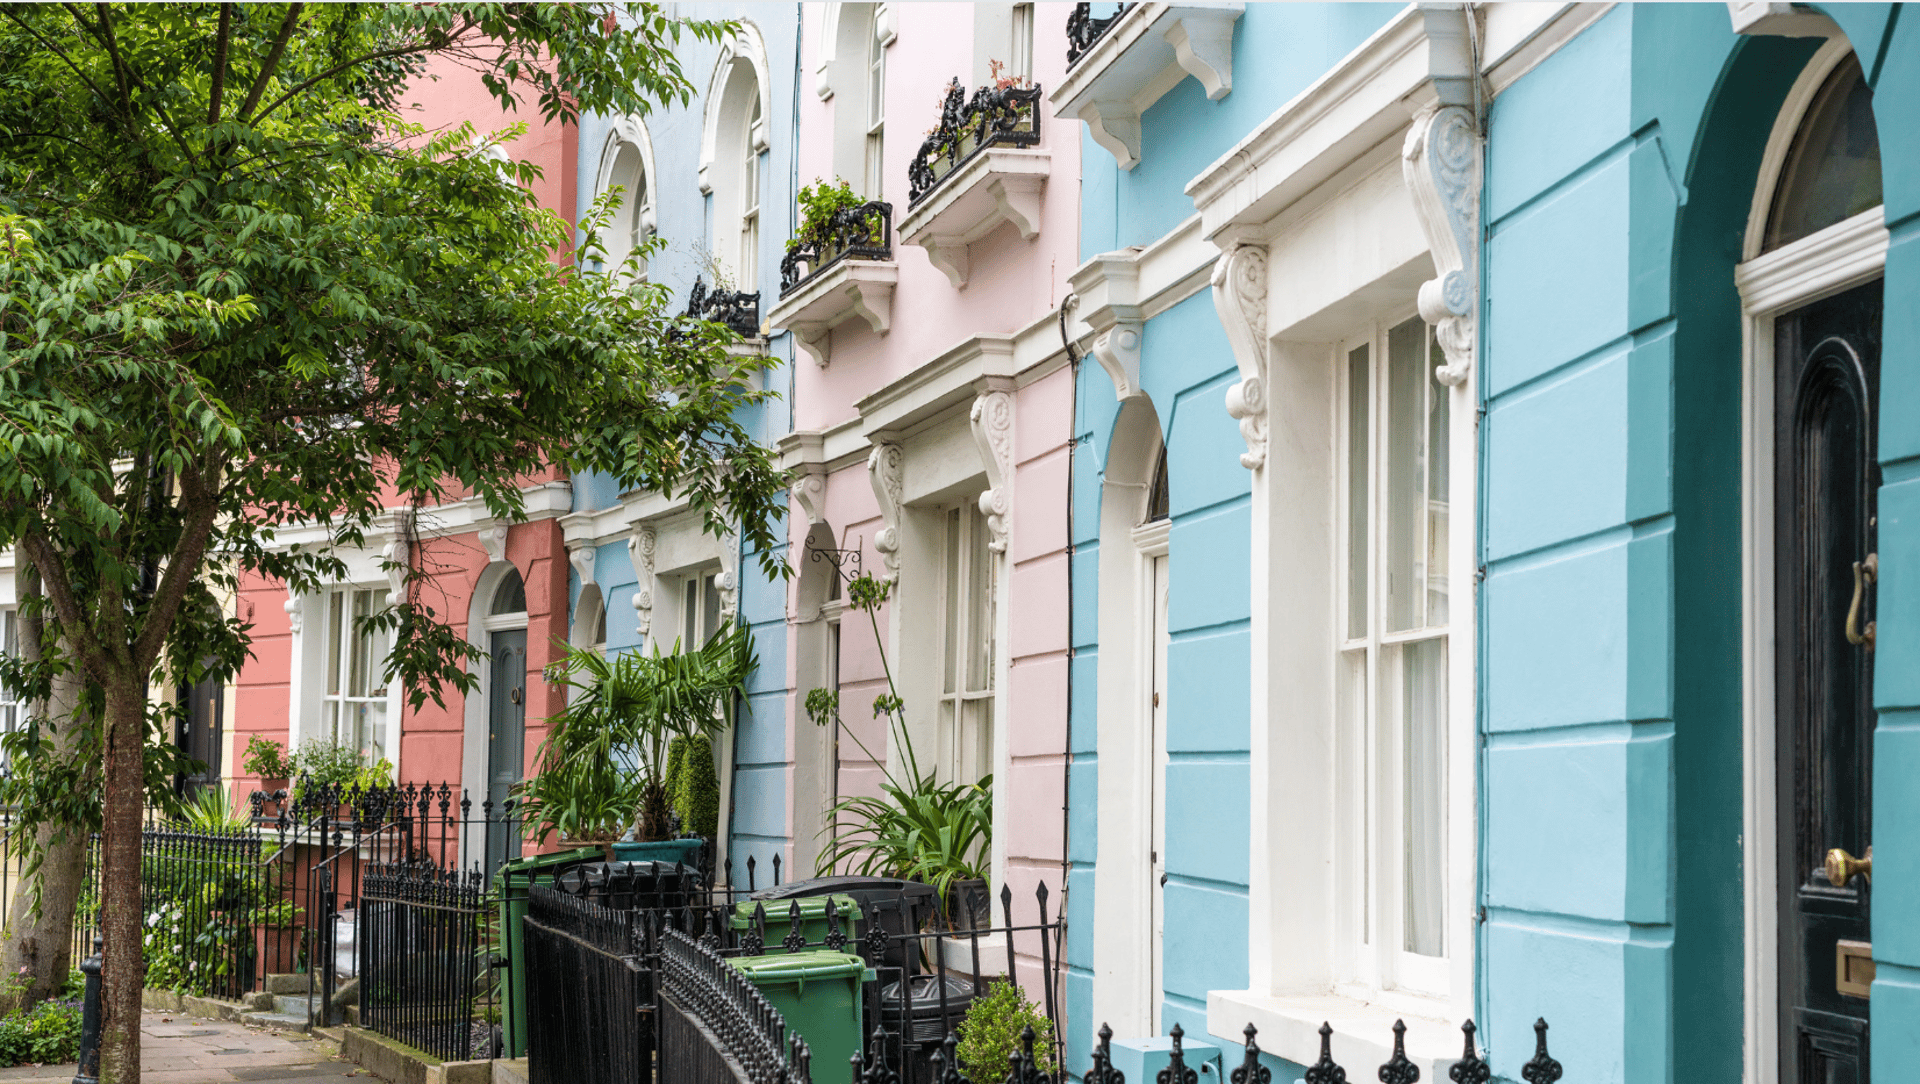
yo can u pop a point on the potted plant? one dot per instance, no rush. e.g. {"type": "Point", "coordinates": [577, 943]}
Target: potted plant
{"type": "Point", "coordinates": [603, 764]}
{"type": "Point", "coordinates": [918, 827]}
{"type": "Point", "coordinates": [267, 759]}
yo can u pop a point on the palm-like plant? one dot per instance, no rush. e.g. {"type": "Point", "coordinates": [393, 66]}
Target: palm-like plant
{"type": "Point", "coordinates": [603, 761]}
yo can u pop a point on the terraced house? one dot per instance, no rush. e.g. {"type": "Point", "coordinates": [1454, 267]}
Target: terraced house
{"type": "Point", "coordinates": [1409, 512]}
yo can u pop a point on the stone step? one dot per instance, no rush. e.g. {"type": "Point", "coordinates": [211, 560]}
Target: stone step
{"type": "Point", "coordinates": [276, 1021]}
{"type": "Point", "coordinates": [292, 1005]}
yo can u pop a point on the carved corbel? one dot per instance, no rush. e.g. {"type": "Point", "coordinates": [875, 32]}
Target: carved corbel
{"type": "Point", "coordinates": [1240, 298]}
{"type": "Point", "coordinates": [640, 549]}
{"type": "Point", "coordinates": [728, 582]}
{"type": "Point", "coordinates": [1441, 160]}
{"type": "Point", "coordinates": [292, 608]}
{"type": "Point", "coordinates": [885, 468]}
{"type": "Point", "coordinates": [583, 557]}
{"type": "Point", "coordinates": [1117, 349]}
{"type": "Point", "coordinates": [810, 493]}
{"type": "Point", "coordinates": [393, 560]}
{"type": "Point", "coordinates": [993, 430]}
{"type": "Point", "coordinates": [1204, 49]}
{"type": "Point", "coordinates": [1114, 125]}
{"type": "Point", "coordinates": [494, 541]}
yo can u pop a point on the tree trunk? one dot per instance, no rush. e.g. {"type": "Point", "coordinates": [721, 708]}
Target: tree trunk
{"type": "Point", "coordinates": [125, 972]}
{"type": "Point", "coordinates": [39, 936]}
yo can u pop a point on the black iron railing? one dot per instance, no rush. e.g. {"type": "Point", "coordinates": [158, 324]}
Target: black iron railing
{"type": "Point", "coordinates": [209, 906]}
{"type": "Point", "coordinates": [736, 309]}
{"type": "Point", "coordinates": [864, 232]}
{"type": "Point", "coordinates": [426, 951]}
{"type": "Point", "coordinates": [590, 991]}
{"type": "Point", "coordinates": [716, 1028]}
{"type": "Point", "coordinates": [993, 117]}
{"type": "Point", "coordinates": [1083, 30]}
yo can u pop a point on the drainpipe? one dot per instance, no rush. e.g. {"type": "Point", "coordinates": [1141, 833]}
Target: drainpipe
{"type": "Point", "coordinates": [1066, 759]}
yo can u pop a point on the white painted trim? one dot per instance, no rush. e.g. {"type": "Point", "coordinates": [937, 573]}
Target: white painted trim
{"type": "Point", "coordinates": [545, 500]}
{"type": "Point", "coordinates": [995, 187]}
{"type": "Point", "coordinates": [1138, 60]}
{"type": "Point", "coordinates": [1837, 258]}
{"type": "Point", "coordinates": [935, 391]}
{"type": "Point", "coordinates": [504, 622]}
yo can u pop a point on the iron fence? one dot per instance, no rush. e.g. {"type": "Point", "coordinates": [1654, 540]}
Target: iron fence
{"type": "Point", "coordinates": [590, 991]}
{"type": "Point", "coordinates": [738, 310]}
{"type": "Point", "coordinates": [716, 1028]}
{"type": "Point", "coordinates": [427, 975]}
{"type": "Point", "coordinates": [210, 901]}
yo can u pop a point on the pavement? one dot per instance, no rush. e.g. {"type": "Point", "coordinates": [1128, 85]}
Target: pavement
{"type": "Point", "coordinates": [177, 1049]}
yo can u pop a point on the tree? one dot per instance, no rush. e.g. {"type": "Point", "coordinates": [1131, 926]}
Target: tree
{"type": "Point", "coordinates": [238, 292]}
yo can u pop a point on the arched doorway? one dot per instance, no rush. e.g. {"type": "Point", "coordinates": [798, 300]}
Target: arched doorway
{"type": "Point", "coordinates": [1811, 289]}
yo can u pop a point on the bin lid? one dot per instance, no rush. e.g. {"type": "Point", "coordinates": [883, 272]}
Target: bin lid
{"type": "Point", "coordinates": [538, 864]}
{"type": "Point", "coordinates": [812, 907]}
{"type": "Point", "coordinates": [850, 882]}
{"type": "Point", "coordinates": [802, 967]}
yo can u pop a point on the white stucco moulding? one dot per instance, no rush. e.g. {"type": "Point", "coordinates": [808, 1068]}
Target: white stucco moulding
{"type": "Point", "coordinates": [886, 469]}
{"type": "Point", "coordinates": [640, 548]}
{"type": "Point", "coordinates": [850, 289]}
{"type": "Point", "coordinates": [1759, 17]}
{"type": "Point", "coordinates": [1138, 60]}
{"type": "Point", "coordinates": [992, 421]}
{"type": "Point", "coordinates": [1240, 299]}
{"type": "Point", "coordinates": [1108, 288]}
{"type": "Point", "coordinates": [809, 491]}
{"type": "Point", "coordinates": [992, 187]}
{"type": "Point", "coordinates": [1442, 163]}
{"type": "Point", "coordinates": [494, 540]}
{"type": "Point", "coordinates": [583, 556]}
{"type": "Point", "coordinates": [727, 583]}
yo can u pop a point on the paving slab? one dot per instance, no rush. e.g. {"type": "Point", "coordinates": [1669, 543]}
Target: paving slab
{"type": "Point", "coordinates": [178, 1049]}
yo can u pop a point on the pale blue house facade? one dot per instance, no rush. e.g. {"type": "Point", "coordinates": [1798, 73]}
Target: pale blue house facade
{"type": "Point", "coordinates": [1492, 552]}
{"type": "Point", "coordinates": [714, 179]}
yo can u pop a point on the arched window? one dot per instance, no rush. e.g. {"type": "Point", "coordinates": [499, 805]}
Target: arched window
{"type": "Point", "coordinates": [510, 597]}
{"type": "Point", "coordinates": [1159, 502]}
{"type": "Point", "coordinates": [1832, 171]}
{"type": "Point", "coordinates": [627, 163]}
{"type": "Point", "coordinates": [735, 137]}
{"type": "Point", "coordinates": [853, 73]}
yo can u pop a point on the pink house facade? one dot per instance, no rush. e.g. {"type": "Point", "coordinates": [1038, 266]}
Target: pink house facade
{"type": "Point", "coordinates": [932, 404]}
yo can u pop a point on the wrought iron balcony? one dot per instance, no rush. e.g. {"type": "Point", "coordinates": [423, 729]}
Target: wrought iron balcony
{"type": "Point", "coordinates": [737, 309]}
{"type": "Point", "coordinates": [994, 117]}
{"type": "Point", "coordinates": [1083, 29]}
{"type": "Point", "coordinates": [864, 232]}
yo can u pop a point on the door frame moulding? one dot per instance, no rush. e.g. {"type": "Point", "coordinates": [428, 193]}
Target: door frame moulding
{"type": "Point", "coordinates": [1833, 260]}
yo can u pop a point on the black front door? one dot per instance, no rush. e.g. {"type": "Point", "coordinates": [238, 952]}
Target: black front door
{"type": "Point", "coordinates": [506, 740]}
{"type": "Point", "coordinates": [1827, 476]}
{"type": "Point", "coordinates": [200, 732]}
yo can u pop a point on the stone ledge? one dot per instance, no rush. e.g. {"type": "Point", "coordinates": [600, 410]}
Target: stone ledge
{"type": "Point", "coordinates": [386, 1058]}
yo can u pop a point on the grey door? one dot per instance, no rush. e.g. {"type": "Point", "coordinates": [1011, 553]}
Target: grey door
{"type": "Point", "coordinates": [1827, 477]}
{"type": "Point", "coordinates": [506, 741]}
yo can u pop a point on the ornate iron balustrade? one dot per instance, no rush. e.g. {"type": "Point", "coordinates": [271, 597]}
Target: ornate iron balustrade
{"type": "Point", "coordinates": [714, 1019]}
{"type": "Point", "coordinates": [864, 232]}
{"type": "Point", "coordinates": [736, 309]}
{"type": "Point", "coordinates": [993, 117]}
{"type": "Point", "coordinates": [1083, 30]}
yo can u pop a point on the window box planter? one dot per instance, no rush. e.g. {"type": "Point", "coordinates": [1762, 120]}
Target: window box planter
{"type": "Point", "coordinates": [1137, 58]}
{"type": "Point", "coordinates": [973, 173]}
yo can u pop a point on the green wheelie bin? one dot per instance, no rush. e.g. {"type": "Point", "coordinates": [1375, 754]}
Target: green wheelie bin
{"type": "Point", "coordinates": [819, 994]}
{"type": "Point", "coordinates": [516, 878]}
{"type": "Point", "coordinates": [813, 919]}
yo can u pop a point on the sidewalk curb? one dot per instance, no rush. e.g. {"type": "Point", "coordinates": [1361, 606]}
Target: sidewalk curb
{"type": "Point", "coordinates": [399, 1063]}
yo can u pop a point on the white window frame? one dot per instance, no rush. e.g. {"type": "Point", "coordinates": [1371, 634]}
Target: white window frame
{"type": "Point", "coordinates": [873, 163]}
{"type": "Point", "coordinates": [339, 671]}
{"type": "Point", "coordinates": [1370, 773]}
{"type": "Point", "coordinates": [691, 591]}
{"type": "Point", "coordinates": [1020, 32]}
{"type": "Point", "coordinates": [635, 222]}
{"type": "Point", "coordinates": [749, 258]}
{"type": "Point", "coordinates": [964, 647]}
{"type": "Point", "coordinates": [13, 713]}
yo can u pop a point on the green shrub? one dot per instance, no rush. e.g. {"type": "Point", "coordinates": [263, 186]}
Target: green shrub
{"type": "Point", "coordinates": [994, 1027]}
{"type": "Point", "coordinates": [267, 759]}
{"type": "Point", "coordinates": [47, 1034]}
{"type": "Point", "coordinates": [696, 788]}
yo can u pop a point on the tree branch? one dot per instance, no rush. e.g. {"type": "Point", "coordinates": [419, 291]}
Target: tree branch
{"type": "Point", "coordinates": [272, 62]}
{"type": "Point", "coordinates": [423, 47]}
{"type": "Point", "coordinates": [220, 63]}
{"type": "Point", "coordinates": [53, 580]}
{"type": "Point", "coordinates": [199, 510]}
{"type": "Point", "coordinates": [10, 12]}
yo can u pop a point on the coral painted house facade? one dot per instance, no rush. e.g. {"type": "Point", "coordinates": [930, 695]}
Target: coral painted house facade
{"type": "Point", "coordinates": [503, 586]}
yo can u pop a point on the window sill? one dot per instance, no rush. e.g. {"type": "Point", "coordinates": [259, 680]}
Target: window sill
{"type": "Point", "coordinates": [849, 289]}
{"type": "Point", "coordinates": [1289, 1027]}
{"type": "Point", "coordinates": [1141, 58]}
{"type": "Point", "coordinates": [992, 187]}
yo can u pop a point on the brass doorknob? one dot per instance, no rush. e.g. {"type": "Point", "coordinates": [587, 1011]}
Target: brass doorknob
{"type": "Point", "coordinates": [1841, 867]}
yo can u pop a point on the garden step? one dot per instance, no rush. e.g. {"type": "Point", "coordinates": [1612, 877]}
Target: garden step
{"type": "Point", "coordinates": [288, 984]}
{"type": "Point", "coordinates": [276, 1021]}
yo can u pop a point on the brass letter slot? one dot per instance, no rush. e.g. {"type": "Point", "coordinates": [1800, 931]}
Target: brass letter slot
{"type": "Point", "coordinates": [1852, 967]}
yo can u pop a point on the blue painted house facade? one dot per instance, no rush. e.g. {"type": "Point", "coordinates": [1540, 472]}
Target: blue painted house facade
{"type": "Point", "coordinates": [1492, 547]}
{"type": "Point", "coordinates": [713, 178]}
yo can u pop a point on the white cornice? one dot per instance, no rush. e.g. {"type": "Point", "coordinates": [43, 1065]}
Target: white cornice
{"type": "Point", "coordinates": [1838, 257]}
{"type": "Point", "coordinates": [1121, 290]}
{"type": "Point", "coordinates": [945, 385]}
{"type": "Point", "coordinates": [1139, 59]}
{"type": "Point", "coordinates": [546, 500]}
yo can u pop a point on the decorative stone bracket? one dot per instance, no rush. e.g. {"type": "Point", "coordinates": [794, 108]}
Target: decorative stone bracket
{"type": "Point", "coordinates": [1441, 161]}
{"type": "Point", "coordinates": [1240, 298]}
{"type": "Point", "coordinates": [583, 557]}
{"type": "Point", "coordinates": [885, 468]}
{"type": "Point", "coordinates": [494, 541]}
{"type": "Point", "coordinates": [810, 493]}
{"type": "Point", "coordinates": [292, 608]}
{"type": "Point", "coordinates": [728, 582]}
{"type": "Point", "coordinates": [640, 547]}
{"type": "Point", "coordinates": [1117, 349]}
{"type": "Point", "coordinates": [1124, 71]}
{"type": "Point", "coordinates": [850, 290]}
{"type": "Point", "coordinates": [994, 187]}
{"type": "Point", "coordinates": [992, 418]}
